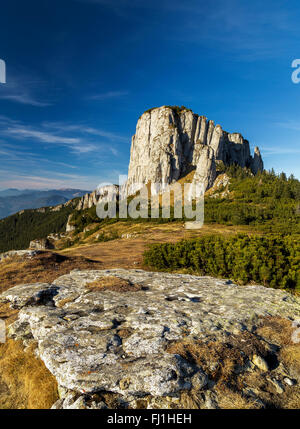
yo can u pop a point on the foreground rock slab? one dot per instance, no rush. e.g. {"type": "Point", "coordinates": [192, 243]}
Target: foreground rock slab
{"type": "Point", "coordinates": [107, 341]}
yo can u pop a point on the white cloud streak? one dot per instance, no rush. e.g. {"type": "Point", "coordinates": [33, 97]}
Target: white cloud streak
{"type": "Point", "coordinates": [24, 99]}
{"type": "Point", "coordinates": [59, 134]}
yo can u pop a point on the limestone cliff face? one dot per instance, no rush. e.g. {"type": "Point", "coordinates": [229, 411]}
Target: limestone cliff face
{"type": "Point", "coordinates": [103, 193]}
{"type": "Point", "coordinates": [169, 142]}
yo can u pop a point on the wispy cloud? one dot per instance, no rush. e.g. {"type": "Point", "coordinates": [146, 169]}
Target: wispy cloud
{"type": "Point", "coordinates": [80, 139]}
{"type": "Point", "coordinates": [290, 125]}
{"type": "Point", "coordinates": [83, 129]}
{"type": "Point", "coordinates": [41, 136]}
{"type": "Point", "coordinates": [23, 90]}
{"type": "Point", "coordinates": [108, 95]}
{"type": "Point", "coordinates": [46, 181]}
{"type": "Point", "coordinates": [52, 180]}
{"type": "Point", "coordinates": [282, 150]}
{"type": "Point", "coordinates": [24, 99]}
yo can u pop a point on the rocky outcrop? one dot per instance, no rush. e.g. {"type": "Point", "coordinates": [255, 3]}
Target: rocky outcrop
{"type": "Point", "coordinates": [17, 253]}
{"type": "Point", "coordinates": [41, 244]}
{"type": "Point", "coordinates": [101, 194]}
{"type": "Point", "coordinates": [206, 172]}
{"type": "Point", "coordinates": [257, 163]}
{"type": "Point", "coordinates": [69, 226]}
{"type": "Point", "coordinates": [170, 141]}
{"type": "Point", "coordinates": [122, 343]}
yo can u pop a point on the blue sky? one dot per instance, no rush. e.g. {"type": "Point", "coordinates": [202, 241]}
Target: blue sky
{"type": "Point", "coordinates": [81, 72]}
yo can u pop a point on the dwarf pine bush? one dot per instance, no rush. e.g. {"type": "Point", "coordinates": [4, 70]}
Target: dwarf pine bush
{"type": "Point", "coordinates": [273, 261]}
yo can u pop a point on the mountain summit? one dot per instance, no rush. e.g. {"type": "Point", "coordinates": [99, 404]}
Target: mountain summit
{"type": "Point", "coordinates": [171, 141]}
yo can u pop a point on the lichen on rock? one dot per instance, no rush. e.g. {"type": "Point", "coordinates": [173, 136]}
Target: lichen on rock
{"type": "Point", "coordinates": [96, 341]}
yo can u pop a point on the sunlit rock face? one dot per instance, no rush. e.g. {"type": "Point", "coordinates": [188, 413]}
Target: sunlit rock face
{"type": "Point", "coordinates": [169, 142]}
{"type": "Point", "coordinates": [101, 194]}
{"type": "Point", "coordinates": [118, 342]}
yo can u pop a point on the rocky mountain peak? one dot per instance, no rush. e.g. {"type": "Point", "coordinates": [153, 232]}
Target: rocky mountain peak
{"type": "Point", "coordinates": [170, 141]}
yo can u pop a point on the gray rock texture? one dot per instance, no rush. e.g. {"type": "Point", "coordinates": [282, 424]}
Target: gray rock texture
{"type": "Point", "coordinates": [169, 142]}
{"type": "Point", "coordinates": [102, 193]}
{"type": "Point", "coordinates": [70, 227]}
{"type": "Point", "coordinates": [167, 145]}
{"type": "Point", "coordinates": [18, 253]}
{"type": "Point", "coordinates": [41, 244]}
{"type": "Point", "coordinates": [80, 332]}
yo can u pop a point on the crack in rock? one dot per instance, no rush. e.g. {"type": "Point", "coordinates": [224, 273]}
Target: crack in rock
{"type": "Point", "coordinates": [79, 331]}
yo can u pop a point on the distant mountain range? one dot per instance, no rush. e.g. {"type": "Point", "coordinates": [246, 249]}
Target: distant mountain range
{"type": "Point", "coordinates": [14, 200]}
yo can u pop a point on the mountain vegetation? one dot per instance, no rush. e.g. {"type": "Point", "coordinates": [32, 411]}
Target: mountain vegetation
{"type": "Point", "coordinates": [273, 261]}
{"type": "Point", "coordinates": [266, 201]}
{"type": "Point", "coordinates": [18, 230]}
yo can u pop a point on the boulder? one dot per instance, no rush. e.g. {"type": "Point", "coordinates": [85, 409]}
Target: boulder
{"type": "Point", "coordinates": [41, 244]}
{"type": "Point", "coordinates": [117, 342]}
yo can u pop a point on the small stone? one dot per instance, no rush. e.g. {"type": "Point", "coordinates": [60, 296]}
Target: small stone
{"type": "Point", "coordinates": [58, 405]}
{"type": "Point", "coordinates": [97, 406]}
{"type": "Point", "coordinates": [260, 363]}
{"type": "Point", "coordinates": [288, 381]}
{"type": "Point", "coordinates": [125, 383]}
{"type": "Point", "coordinates": [278, 385]}
{"type": "Point", "coordinates": [210, 401]}
{"type": "Point", "coordinates": [62, 392]}
{"type": "Point", "coordinates": [79, 404]}
{"type": "Point", "coordinates": [199, 380]}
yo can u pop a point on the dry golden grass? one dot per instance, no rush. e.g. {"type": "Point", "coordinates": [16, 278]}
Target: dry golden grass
{"type": "Point", "coordinates": [221, 362]}
{"type": "Point", "coordinates": [25, 382]}
{"type": "Point", "coordinates": [292, 400]}
{"type": "Point", "coordinates": [128, 252]}
{"type": "Point", "coordinates": [276, 330]}
{"type": "Point", "coordinates": [9, 315]}
{"type": "Point", "coordinates": [289, 399]}
{"type": "Point", "coordinates": [290, 355]}
{"type": "Point", "coordinates": [227, 356]}
{"type": "Point", "coordinates": [230, 400]}
{"type": "Point", "coordinates": [114, 284]}
{"type": "Point", "coordinates": [44, 267]}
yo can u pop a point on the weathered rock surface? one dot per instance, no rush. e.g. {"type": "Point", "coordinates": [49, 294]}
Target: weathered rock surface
{"type": "Point", "coordinates": [169, 142]}
{"type": "Point", "coordinates": [95, 341]}
{"type": "Point", "coordinates": [101, 194]}
{"type": "Point", "coordinates": [69, 226]}
{"type": "Point", "coordinates": [41, 244]}
{"type": "Point", "coordinates": [22, 253]}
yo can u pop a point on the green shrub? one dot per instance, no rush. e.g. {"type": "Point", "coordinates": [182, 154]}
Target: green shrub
{"type": "Point", "coordinates": [273, 261]}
